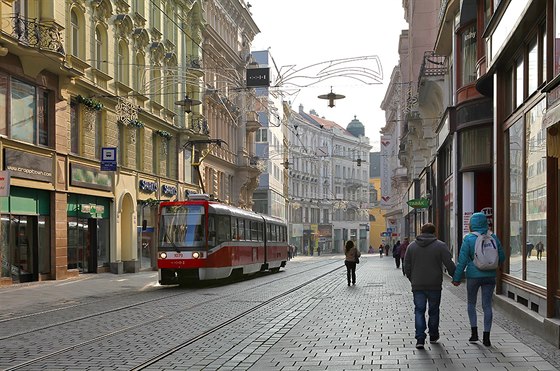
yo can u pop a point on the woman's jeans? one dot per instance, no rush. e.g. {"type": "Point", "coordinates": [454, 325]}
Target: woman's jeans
{"type": "Point", "coordinates": [487, 285]}
{"type": "Point", "coordinates": [433, 298]}
{"type": "Point", "coordinates": [350, 271]}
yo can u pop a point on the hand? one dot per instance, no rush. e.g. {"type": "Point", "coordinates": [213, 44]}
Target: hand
{"type": "Point", "coordinates": [456, 283]}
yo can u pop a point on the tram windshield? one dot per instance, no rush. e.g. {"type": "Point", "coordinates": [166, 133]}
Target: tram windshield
{"type": "Point", "coordinates": [181, 226]}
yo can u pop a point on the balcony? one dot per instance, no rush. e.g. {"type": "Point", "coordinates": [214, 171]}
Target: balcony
{"type": "Point", "coordinates": [195, 66]}
{"type": "Point", "coordinates": [45, 36]}
{"type": "Point", "coordinates": [199, 126]}
{"type": "Point", "coordinates": [253, 123]}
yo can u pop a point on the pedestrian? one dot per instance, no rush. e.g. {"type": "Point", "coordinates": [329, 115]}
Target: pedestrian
{"type": "Point", "coordinates": [370, 250]}
{"type": "Point", "coordinates": [352, 255]}
{"type": "Point", "coordinates": [387, 248]}
{"type": "Point", "coordinates": [397, 254]}
{"type": "Point", "coordinates": [422, 264]}
{"type": "Point", "coordinates": [530, 248]}
{"type": "Point", "coordinates": [380, 250]}
{"type": "Point", "coordinates": [485, 280]}
{"type": "Point", "coordinates": [404, 246]}
{"type": "Point", "coordinates": [540, 248]}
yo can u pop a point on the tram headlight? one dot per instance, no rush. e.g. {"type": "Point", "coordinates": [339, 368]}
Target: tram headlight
{"type": "Point", "coordinates": [163, 255]}
{"type": "Point", "coordinates": [196, 255]}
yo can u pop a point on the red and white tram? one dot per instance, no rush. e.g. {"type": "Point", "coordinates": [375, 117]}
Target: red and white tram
{"type": "Point", "coordinates": [202, 239]}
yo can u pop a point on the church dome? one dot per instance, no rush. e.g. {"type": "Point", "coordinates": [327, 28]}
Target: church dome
{"type": "Point", "coordinates": [356, 128]}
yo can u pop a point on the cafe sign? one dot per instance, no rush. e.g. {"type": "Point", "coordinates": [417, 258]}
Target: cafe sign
{"type": "Point", "coordinates": [418, 203]}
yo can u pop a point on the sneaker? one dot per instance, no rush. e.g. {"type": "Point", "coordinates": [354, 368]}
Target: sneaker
{"type": "Point", "coordinates": [434, 339]}
{"type": "Point", "coordinates": [420, 344]}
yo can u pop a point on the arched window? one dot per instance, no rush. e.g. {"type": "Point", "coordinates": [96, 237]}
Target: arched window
{"type": "Point", "coordinates": [98, 49]}
{"type": "Point", "coordinates": [138, 73]}
{"type": "Point", "coordinates": [122, 63]}
{"type": "Point", "coordinates": [74, 34]}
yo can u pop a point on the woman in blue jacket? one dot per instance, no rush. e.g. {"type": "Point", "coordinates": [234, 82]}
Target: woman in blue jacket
{"type": "Point", "coordinates": [476, 278]}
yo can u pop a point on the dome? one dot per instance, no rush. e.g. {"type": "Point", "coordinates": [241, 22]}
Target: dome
{"type": "Point", "coordinates": [356, 128]}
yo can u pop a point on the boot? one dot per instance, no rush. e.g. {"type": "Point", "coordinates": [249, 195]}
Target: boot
{"type": "Point", "coordinates": [474, 335]}
{"type": "Point", "coordinates": [486, 338]}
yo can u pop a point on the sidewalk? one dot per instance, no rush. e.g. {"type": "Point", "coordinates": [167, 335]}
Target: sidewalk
{"type": "Point", "coordinates": [371, 326]}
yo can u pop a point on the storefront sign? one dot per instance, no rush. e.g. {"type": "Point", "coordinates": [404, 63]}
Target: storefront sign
{"type": "Point", "coordinates": [89, 177]}
{"type": "Point", "coordinates": [28, 165]}
{"type": "Point", "coordinates": [419, 203]}
{"type": "Point", "coordinates": [147, 186]}
{"type": "Point", "coordinates": [168, 190]}
{"type": "Point", "coordinates": [4, 183]}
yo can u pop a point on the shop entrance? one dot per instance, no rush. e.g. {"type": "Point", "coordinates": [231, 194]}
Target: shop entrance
{"type": "Point", "coordinates": [82, 244]}
{"type": "Point", "coordinates": [23, 254]}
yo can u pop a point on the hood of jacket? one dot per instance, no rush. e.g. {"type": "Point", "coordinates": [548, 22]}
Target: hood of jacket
{"type": "Point", "coordinates": [424, 239]}
{"type": "Point", "coordinates": [479, 223]}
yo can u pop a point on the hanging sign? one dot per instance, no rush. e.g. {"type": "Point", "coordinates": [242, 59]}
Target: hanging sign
{"type": "Point", "coordinates": [418, 203]}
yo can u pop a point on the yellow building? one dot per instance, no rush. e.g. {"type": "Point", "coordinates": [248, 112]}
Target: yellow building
{"type": "Point", "coordinates": [376, 218]}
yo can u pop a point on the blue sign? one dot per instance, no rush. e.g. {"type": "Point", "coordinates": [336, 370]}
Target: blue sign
{"type": "Point", "coordinates": [108, 159]}
{"type": "Point", "coordinates": [390, 230]}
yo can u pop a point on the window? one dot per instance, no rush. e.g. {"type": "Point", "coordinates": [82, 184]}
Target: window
{"type": "Point", "coordinates": [533, 66]}
{"type": "Point", "coordinates": [74, 34]}
{"type": "Point", "coordinates": [140, 149]}
{"type": "Point", "coordinates": [468, 55]}
{"type": "Point", "coordinates": [122, 63]}
{"type": "Point", "coordinates": [155, 14]}
{"type": "Point", "coordinates": [74, 127]}
{"type": "Point", "coordinates": [476, 147]}
{"type": "Point", "coordinates": [24, 111]}
{"type": "Point", "coordinates": [556, 38]}
{"type": "Point", "coordinates": [262, 135]}
{"type": "Point", "coordinates": [99, 55]}
{"type": "Point", "coordinates": [519, 97]}
{"type": "Point", "coordinates": [98, 140]}
{"type": "Point", "coordinates": [527, 196]}
{"type": "Point", "coordinates": [138, 72]}
{"type": "Point", "coordinates": [138, 7]}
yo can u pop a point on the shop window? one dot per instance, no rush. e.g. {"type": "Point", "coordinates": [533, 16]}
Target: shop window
{"type": "Point", "coordinates": [527, 196]}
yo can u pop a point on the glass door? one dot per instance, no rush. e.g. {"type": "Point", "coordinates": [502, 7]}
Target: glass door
{"type": "Point", "coordinates": [23, 249]}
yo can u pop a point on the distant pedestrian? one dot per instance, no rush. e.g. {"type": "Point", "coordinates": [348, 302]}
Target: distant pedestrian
{"type": "Point", "coordinates": [485, 280]}
{"type": "Point", "coordinates": [397, 254]}
{"type": "Point", "coordinates": [404, 246]}
{"type": "Point", "coordinates": [352, 255]}
{"type": "Point", "coordinates": [530, 248]}
{"type": "Point", "coordinates": [387, 248]}
{"type": "Point", "coordinates": [381, 248]}
{"type": "Point", "coordinates": [370, 250]}
{"type": "Point", "coordinates": [540, 248]}
{"type": "Point", "coordinates": [422, 264]}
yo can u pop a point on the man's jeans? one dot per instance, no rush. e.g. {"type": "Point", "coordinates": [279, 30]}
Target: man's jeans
{"type": "Point", "coordinates": [433, 298]}
{"type": "Point", "coordinates": [487, 285]}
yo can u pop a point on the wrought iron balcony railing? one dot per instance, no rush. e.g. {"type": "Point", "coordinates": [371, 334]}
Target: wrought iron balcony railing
{"type": "Point", "coordinates": [35, 34]}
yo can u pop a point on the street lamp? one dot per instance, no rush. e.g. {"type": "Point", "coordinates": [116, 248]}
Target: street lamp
{"type": "Point", "coordinates": [188, 103]}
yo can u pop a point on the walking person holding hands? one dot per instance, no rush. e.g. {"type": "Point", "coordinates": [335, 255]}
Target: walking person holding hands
{"type": "Point", "coordinates": [352, 257]}
{"type": "Point", "coordinates": [481, 253]}
{"type": "Point", "coordinates": [423, 267]}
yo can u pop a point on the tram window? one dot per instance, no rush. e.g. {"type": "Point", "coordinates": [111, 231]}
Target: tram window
{"type": "Point", "coordinates": [241, 229]}
{"type": "Point", "coordinates": [261, 233]}
{"type": "Point", "coordinates": [254, 231]}
{"type": "Point", "coordinates": [234, 235]}
{"type": "Point", "coordinates": [221, 230]}
{"type": "Point", "coordinates": [268, 233]}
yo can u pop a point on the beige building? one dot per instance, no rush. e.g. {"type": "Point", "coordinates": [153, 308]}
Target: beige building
{"type": "Point", "coordinates": [91, 133]}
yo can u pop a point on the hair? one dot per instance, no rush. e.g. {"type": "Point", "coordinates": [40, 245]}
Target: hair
{"type": "Point", "coordinates": [428, 228]}
{"type": "Point", "coordinates": [349, 245]}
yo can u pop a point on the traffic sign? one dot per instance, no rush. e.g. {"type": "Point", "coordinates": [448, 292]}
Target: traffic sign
{"type": "Point", "coordinates": [108, 159]}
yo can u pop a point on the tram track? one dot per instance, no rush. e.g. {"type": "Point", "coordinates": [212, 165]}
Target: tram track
{"type": "Point", "coordinates": [222, 325]}
{"type": "Point", "coordinates": [303, 270]}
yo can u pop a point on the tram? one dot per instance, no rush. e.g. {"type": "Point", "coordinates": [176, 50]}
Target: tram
{"type": "Point", "coordinates": [203, 239]}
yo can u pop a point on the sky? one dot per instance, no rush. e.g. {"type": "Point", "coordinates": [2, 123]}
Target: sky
{"type": "Point", "coordinates": [301, 33]}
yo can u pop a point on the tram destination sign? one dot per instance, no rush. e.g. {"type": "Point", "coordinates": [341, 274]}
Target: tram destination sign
{"type": "Point", "coordinates": [418, 203]}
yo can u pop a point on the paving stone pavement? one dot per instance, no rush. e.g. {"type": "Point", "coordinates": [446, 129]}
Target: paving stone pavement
{"type": "Point", "coordinates": [371, 326]}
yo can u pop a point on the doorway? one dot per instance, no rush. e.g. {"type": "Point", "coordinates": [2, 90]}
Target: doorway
{"type": "Point", "coordinates": [23, 251]}
{"type": "Point", "coordinates": [82, 244]}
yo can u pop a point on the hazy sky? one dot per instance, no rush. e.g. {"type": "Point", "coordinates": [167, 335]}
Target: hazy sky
{"type": "Point", "coordinates": [305, 32]}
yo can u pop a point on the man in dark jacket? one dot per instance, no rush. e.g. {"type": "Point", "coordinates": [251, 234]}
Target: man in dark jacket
{"type": "Point", "coordinates": [423, 267]}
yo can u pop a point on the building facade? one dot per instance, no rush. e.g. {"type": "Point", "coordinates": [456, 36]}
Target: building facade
{"type": "Point", "coordinates": [95, 128]}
